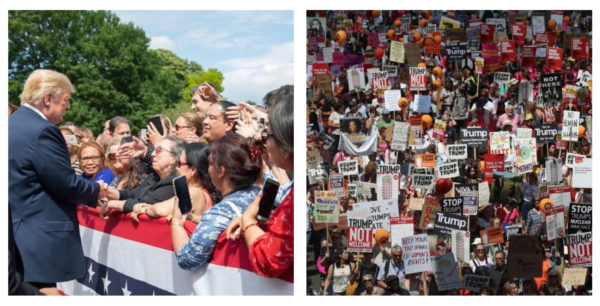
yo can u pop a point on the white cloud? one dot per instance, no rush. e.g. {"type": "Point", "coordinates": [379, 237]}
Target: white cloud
{"type": "Point", "coordinates": [251, 78]}
{"type": "Point", "coordinates": [161, 42]}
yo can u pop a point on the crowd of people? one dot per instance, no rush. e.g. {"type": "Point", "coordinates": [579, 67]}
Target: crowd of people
{"type": "Point", "coordinates": [225, 151]}
{"type": "Point", "coordinates": [465, 135]}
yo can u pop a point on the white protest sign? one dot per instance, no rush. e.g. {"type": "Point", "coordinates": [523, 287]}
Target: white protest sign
{"type": "Point", "coordinates": [582, 174]}
{"type": "Point", "coordinates": [501, 78]}
{"type": "Point", "coordinates": [326, 207]}
{"type": "Point", "coordinates": [524, 132]}
{"type": "Point", "coordinates": [538, 24]}
{"type": "Point", "coordinates": [571, 158]}
{"type": "Point", "coordinates": [379, 214]}
{"type": "Point", "coordinates": [356, 79]}
{"type": "Point", "coordinates": [457, 152]}
{"type": "Point", "coordinates": [574, 277]}
{"type": "Point", "coordinates": [400, 136]}
{"type": "Point", "coordinates": [469, 202]}
{"type": "Point", "coordinates": [416, 254]}
{"type": "Point", "coordinates": [448, 170]}
{"type": "Point", "coordinates": [391, 98]}
{"type": "Point", "coordinates": [328, 55]}
{"type": "Point", "coordinates": [555, 223]}
{"type": "Point", "coordinates": [570, 129]}
{"type": "Point", "coordinates": [387, 183]}
{"type": "Point", "coordinates": [446, 272]}
{"type": "Point", "coordinates": [483, 193]}
{"type": "Point", "coordinates": [461, 245]}
{"type": "Point", "coordinates": [499, 142]}
{"type": "Point", "coordinates": [402, 227]}
{"type": "Point", "coordinates": [352, 190]}
{"type": "Point", "coordinates": [349, 167]}
{"type": "Point", "coordinates": [422, 104]}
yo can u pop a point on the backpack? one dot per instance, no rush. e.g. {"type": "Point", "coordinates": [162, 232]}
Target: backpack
{"type": "Point", "coordinates": [481, 270]}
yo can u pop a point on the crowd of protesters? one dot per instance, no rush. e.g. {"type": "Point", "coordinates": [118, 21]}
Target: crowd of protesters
{"type": "Point", "coordinates": [521, 195]}
{"type": "Point", "coordinates": [225, 151]}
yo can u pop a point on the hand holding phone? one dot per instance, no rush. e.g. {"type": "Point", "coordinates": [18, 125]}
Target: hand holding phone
{"type": "Point", "coordinates": [157, 122]}
{"type": "Point", "coordinates": [126, 139]}
{"type": "Point", "coordinates": [183, 194]}
{"type": "Point", "coordinates": [268, 199]}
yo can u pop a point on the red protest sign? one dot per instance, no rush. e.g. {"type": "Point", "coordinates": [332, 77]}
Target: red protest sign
{"type": "Point", "coordinates": [493, 162]}
{"type": "Point", "coordinates": [360, 239]}
{"type": "Point", "coordinates": [418, 78]}
{"type": "Point", "coordinates": [373, 40]}
{"type": "Point", "coordinates": [528, 56]}
{"type": "Point", "coordinates": [489, 52]}
{"type": "Point", "coordinates": [562, 145]}
{"type": "Point", "coordinates": [554, 59]}
{"type": "Point", "coordinates": [544, 38]}
{"type": "Point", "coordinates": [507, 50]}
{"type": "Point", "coordinates": [580, 249]}
{"type": "Point", "coordinates": [518, 32]}
{"type": "Point", "coordinates": [487, 33]}
{"type": "Point", "coordinates": [432, 47]}
{"type": "Point", "coordinates": [320, 68]}
{"type": "Point", "coordinates": [579, 48]}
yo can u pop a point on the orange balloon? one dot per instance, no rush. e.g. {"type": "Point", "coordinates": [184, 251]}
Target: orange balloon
{"type": "Point", "coordinates": [437, 83]}
{"type": "Point", "coordinates": [397, 22]}
{"type": "Point", "coordinates": [581, 131]}
{"type": "Point", "coordinates": [401, 39]}
{"type": "Point", "coordinates": [545, 202]}
{"type": "Point", "coordinates": [403, 103]}
{"type": "Point", "coordinates": [375, 14]}
{"type": "Point", "coordinates": [427, 120]}
{"type": "Point", "coordinates": [417, 36]}
{"type": "Point", "coordinates": [341, 37]}
{"type": "Point", "coordinates": [423, 23]}
{"type": "Point", "coordinates": [551, 24]}
{"type": "Point", "coordinates": [421, 65]}
{"type": "Point", "coordinates": [437, 71]}
{"type": "Point", "coordinates": [390, 33]}
{"type": "Point", "coordinates": [567, 19]}
{"type": "Point", "coordinates": [426, 13]}
{"type": "Point", "coordinates": [382, 236]}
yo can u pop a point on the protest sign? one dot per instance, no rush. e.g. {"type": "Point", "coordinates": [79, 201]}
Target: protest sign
{"type": "Point", "coordinates": [552, 172]}
{"type": "Point", "coordinates": [525, 259]}
{"type": "Point", "coordinates": [336, 182]}
{"type": "Point", "coordinates": [475, 282]}
{"type": "Point", "coordinates": [561, 144]}
{"type": "Point", "coordinates": [448, 170]}
{"type": "Point", "coordinates": [373, 39]}
{"type": "Point", "coordinates": [574, 277]}
{"type": "Point", "coordinates": [524, 133]}
{"type": "Point", "coordinates": [392, 70]}
{"type": "Point", "coordinates": [461, 245]}
{"type": "Point", "coordinates": [366, 192]}
{"type": "Point", "coordinates": [349, 167]}
{"type": "Point", "coordinates": [360, 239]}
{"type": "Point", "coordinates": [489, 52]}
{"type": "Point", "coordinates": [538, 24]}
{"type": "Point", "coordinates": [580, 217]}
{"type": "Point", "coordinates": [316, 174]}
{"type": "Point", "coordinates": [379, 84]}
{"type": "Point", "coordinates": [456, 35]}
{"type": "Point", "coordinates": [413, 171]}
{"type": "Point", "coordinates": [470, 205]}
{"type": "Point", "coordinates": [422, 104]}
{"type": "Point", "coordinates": [474, 136]}
{"type": "Point", "coordinates": [379, 213]}
{"type": "Point", "coordinates": [416, 203]}
{"type": "Point", "coordinates": [397, 52]}
{"type": "Point", "coordinates": [507, 50]}
{"type": "Point", "coordinates": [400, 136]}
{"type": "Point", "coordinates": [313, 158]}
{"type": "Point", "coordinates": [388, 178]}
{"type": "Point", "coordinates": [512, 230]}
{"type": "Point", "coordinates": [560, 195]}
{"type": "Point", "coordinates": [328, 55]}
{"type": "Point", "coordinates": [499, 24]}
{"type": "Point", "coordinates": [457, 152]}
{"type": "Point", "coordinates": [584, 79]}
{"type": "Point", "coordinates": [493, 162]}
{"type": "Point", "coordinates": [570, 92]}
{"type": "Point", "coordinates": [501, 78]}
{"type": "Point", "coordinates": [418, 78]}
{"type": "Point", "coordinates": [324, 82]}
{"type": "Point", "coordinates": [573, 158]}
{"type": "Point", "coordinates": [445, 223]}
{"type": "Point", "coordinates": [402, 226]}
{"type": "Point", "coordinates": [524, 156]}
{"type": "Point", "coordinates": [428, 216]}
{"type": "Point", "coordinates": [545, 133]}
{"type": "Point", "coordinates": [483, 193]}
{"type": "Point", "coordinates": [487, 33]}
{"type": "Point", "coordinates": [582, 174]}
{"type": "Point", "coordinates": [352, 190]}
{"type": "Point", "coordinates": [359, 216]}
{"type": "Point", "coordinates": [555, 222]}
{"type": "Point", "coordinates": [474, 48]}
{"type": "Point", "coordinates": [356, 79]}
{"type": "Point", "coordinates": [415, 253]}
{"type": "Point", "coordinates": [528, 56]}
{"type": "Point", "coordinates": [525, 92]}
{"type": "Point", "coordinates": [439, 129]}
{"type": "Point", "coordinates": [570, 128]}
{"type": "Point", "coordinates": [452, 205]}
{"type": "Point", "coordinates": [519, 30]}
{"type": "Point", "coordinates": [479, 63]}
{"type": "Point", "coordinates": [446, 272]}
{"type": "Point", "coordinates": [391, 98]}
{"type": "Point", "coordinates": [578, 48]}
{"type": "Point", "coordinates": [432, 47]}
{"type": "Point", "coordinates": [554, 58]}
{"type": "Point", "coordinates": [412, 54]}
{"type": "Point", "coordinates": [493, 235]}
{"type": "Point", "coordinates": [580, 249]}
{"type": "Point", "coordinates": [326, 207]}
{"type": "Point", "coordinates": [456, 50]}
{"type": "Point", "coordinates": [370, 74]}
{"type": "Point", "coordinates": [449, 23]}
{"type": "Point", "coordinates": [426, 160]}
{"type": "Point", "coordinates": [499, 142]}
{"type": "Point", "coordinates": [551, 88]}
{"type": "Point", "coordinates": [423, 181]}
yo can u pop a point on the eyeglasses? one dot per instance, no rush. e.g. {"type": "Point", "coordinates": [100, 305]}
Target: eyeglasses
{"type": "Point", "coordinates": [181, 164]}
{"type": "Point", "coordinates": [159, 149]}
{"type": "Point", "coordinates": [90, 159]}
{"type": "Point", "coordinates": [179, 127]}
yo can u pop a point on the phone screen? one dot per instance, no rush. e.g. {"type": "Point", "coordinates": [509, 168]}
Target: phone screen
{"type": "Point", "coordinates": [268, 199]}
{"type": "Point", "coordinates": [183, 194]}
{"type": "Point", "coordinates": [126, 139]}
{"type": "Point", "coordinates": [157, 124]}
{"type": "Point", "coordinates": [71, 139]}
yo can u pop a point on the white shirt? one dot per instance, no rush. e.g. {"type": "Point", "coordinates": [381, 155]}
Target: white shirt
{"type": "Point", "coordinates": [35, 110]}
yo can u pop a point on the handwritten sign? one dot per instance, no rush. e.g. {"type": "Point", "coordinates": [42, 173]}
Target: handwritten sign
{"type": "Point", "coordinates": [416, 254]}
{"type": "Point", "coordinates": [349, 167]}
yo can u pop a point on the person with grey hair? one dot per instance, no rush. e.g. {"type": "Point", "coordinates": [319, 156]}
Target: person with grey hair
{"type": "Point", "coordinates": [156, 187]}
{"type": "Point", "coordinates": [369, 286]}
{"type": "Point", "coordinates": [391, 267]}
{"type": "Point", "coordinates": [278, 95]}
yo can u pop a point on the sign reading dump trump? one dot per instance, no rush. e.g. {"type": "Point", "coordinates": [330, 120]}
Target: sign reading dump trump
{"type": "Point", "coordinates": [349, 167]}
{"type": "Point", "coordinates": [448, 170]}
{"type": "Point", "coordinates": [457, 152]}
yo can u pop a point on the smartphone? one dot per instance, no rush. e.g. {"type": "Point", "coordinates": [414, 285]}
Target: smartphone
{"type": "Point", "coordinates": [143, 133]}
{"type": "Point", "coordinates": [71, 139]}
{"type": "Point", "coordinates": [261, 121]}
{"type": "Point", "coordinates": [126, 139]}
{"type": "Point", "coordinates": [265, 206]}
{"type": "Point", "coordinates": [183, 194]}
{"type": "Point", "coordinates": [157, 123]}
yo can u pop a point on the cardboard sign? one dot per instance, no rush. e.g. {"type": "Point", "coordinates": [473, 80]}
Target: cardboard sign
{"type": "Point", "coordinates": [400, 136]}
{"type": "Point", "coordinates": [582, 174]}
{"type": "Point", "coordinates": [326, 207]}
{"type": "Point", "coordinates": [501, 77]}
{"type": "Point", "coordinates": [448, 170]}
{"type": "Point", "coordinates": [570, 129]}
{"type": "Point", "coordinates": [525, 259]}
{"type": "Point", "coordinates": [457, 152]}
{"type": "Point", "coordinates": [508, 50]}
{"type": "Point", "coordinates": [493, 235]}
{"type": "Point", "coordinates": [413, 54]}
{"type": "Point", "coordinates": [555, 223]}
{"type": "Point", "coordinates": [426, 160]}
{"type": "Point", "coordinates": [445, 223]}
{"type": "Point", "coordinates": [479, 63]}
{"type": "Point", "coordinates": [580, 218]}
{"type": "Point", "coordinates": [545, 133]}
{"type": "Point", "coordinates": [349, 167]}
{"type": "Point", "coordinates": [428, 215]}
{"type": "Point", "coordinates": [580, 249]}
{"type": "Point", "coordinates": [402, 227]}
{"type": "Point", "coordinates": [397, 52]}
{"type": "Point", "coordinates": [391, 98]}
{"type": "Point", "coordinates": [499, 142]}
{"type": "Point", "coordinates": [446, 272]}
{"type": "Point", "coordinates": [474, 137]}
{"type": "Point", "coordinates": [475, 282]}
{"type": "Point", "coordinates": [416, 203]}
{"type": "Point", "coordinates": [574, 277]}
{"type": "Point", "coordinates": [456, 50]}
{"type": "Point", "coordinates": [418, 78]}
{"type": "Point", "coordinates": [554, 59]}
{"type": "Point", "coordinates": [336, 182]}
{"type": "Point", "coordinates": [452, 205]}
{"type": "Point", "coordinates": [415, 253]}
{"type": "Point", "coordinates": [461, 245]}
{"type": "Point", "coordinates": [360, 239]}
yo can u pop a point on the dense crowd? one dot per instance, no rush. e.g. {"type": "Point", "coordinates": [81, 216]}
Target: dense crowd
{"type": "Point", "coordinates": [449, 152]}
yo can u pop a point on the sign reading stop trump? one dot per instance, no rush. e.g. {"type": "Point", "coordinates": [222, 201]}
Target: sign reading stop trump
{"type": "Point", "coordinates": [360, 239]}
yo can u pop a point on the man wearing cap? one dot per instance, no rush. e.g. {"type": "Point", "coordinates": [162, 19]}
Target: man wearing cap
{"type": "Point", "coordinates": [354, 111]}
{"type": "Point", "coordinates": [386, 119]}
{"type": "Point", "coordinates": [509, 117]}
{"type": "Point", "coordinates": [481, 117]}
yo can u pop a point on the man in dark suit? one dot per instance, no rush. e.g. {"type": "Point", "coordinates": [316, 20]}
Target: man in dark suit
{"type": "Point", "coordinates": [43, 188]}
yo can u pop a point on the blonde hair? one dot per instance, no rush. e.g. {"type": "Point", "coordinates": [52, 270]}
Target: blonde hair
{"type": "Point", "coordinates": [194, 121]}
{"type": "Point", "coordinates": [41, 82]}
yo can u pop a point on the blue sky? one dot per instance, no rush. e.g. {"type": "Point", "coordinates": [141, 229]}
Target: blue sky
{"type": "Point", "coordinates": [253, 49]}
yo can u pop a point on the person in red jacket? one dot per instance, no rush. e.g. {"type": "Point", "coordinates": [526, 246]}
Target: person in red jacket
{"type": "Point", "coordinates": [481, 117]}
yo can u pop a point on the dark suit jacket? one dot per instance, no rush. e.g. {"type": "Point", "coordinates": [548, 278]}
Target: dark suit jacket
{"type": "Point", "coordinates": [43, 193]}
